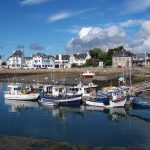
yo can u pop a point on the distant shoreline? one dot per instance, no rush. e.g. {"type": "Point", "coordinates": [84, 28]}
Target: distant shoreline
{"type": "Point", "coordinates": [103, 76]}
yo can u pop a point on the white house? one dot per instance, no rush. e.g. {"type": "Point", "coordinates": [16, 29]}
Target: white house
{"type": "Point", "coordinates": [28, 63]}
{"type": "Point", "coordinates": [1, 61]}
{"type": "Point", "coordinates": [16, 60]}
{"type": "Point", "coordinates": [44, 61]}
{"type": "Point", "coordinates": [79, 59]}
{"type": "Point", "coordinates": [62, 61]}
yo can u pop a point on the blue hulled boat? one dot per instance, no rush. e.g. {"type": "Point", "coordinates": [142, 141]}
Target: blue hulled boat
{"type": "Point", "coordinates": [60, 100]}
{"type": "Point", "coordinates": [140, 103]}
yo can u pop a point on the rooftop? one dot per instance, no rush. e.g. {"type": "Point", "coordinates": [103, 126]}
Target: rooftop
{"type": "Point", "coordinates": [123, 53]}
{"type": "Point", "coordinates": [80, 56]}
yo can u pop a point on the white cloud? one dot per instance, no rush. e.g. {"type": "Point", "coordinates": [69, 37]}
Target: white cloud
{"type": "Point", "coordinates": [146, 43]}
{"type": "Point", "coordinates": [142, 39]}
{"type": "Point", "coordinates": [31, 2]}
{"type": "Point", "coordinates": [136, 6]}
{"type": "Point", "coordinates": [114, 31]}
{"type": "Point", "coordinates": [91, 37]}
{"type": "Point", "coordinates": [84, 32]}
{"type": "Point", "coordinates": [146, 26]}
{"type": "Point", "coordinates": [110, 37]}
{"type": "Point", "coordinates": [131, 22]}
{"type": "Point", "coordinates": [59, 16]}
{"type": "Point", "coordinates": [74, 29]}
{"type": "Point", "coordinates": [68, 14]}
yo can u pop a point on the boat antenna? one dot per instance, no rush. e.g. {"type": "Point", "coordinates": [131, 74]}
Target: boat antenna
{"type": "Point", "coordinates": [15, 76]}
{"type": "Point", "coordinates": [7, 77]}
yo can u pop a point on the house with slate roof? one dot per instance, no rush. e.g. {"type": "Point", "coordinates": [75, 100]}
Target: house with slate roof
{"type": "Point", "coordinates": [79, 58]}
{"type": "Point", "coordinates": [41, 60]}
{"type": "Point", "coordinates": [62, 61]}
{"type": "Point", "coordinates": [28, 63]}
{"type": "Point", "coordinates": [16, 60]}
{"type": "Point", "coordinates": [122, 58]}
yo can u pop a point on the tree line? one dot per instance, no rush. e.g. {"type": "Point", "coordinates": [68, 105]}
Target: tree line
{"type": "Point", "coordinates": [98, 55]}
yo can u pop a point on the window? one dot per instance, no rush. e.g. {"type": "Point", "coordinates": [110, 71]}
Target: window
{"type": "Point", "coordinates": [17, 65]}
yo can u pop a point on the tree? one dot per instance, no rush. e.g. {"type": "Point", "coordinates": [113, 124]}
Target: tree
{"type": "Point", "coordinates": [98, 55]}
{"type": "Point", "coordinates": [74, 65]}
{"type": "Point", "coordinates": [94, 53]}
{"type": "Point", "coordinates": [92, 62]}
{"type": "Point", "coordinates": [109, 54]}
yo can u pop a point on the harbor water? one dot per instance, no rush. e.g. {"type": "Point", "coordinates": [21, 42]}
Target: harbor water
{"type": "Point", "coordinates": [83, 125]}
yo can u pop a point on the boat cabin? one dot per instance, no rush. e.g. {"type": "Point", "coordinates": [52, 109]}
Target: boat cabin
{"type": "Point", "coordinates": [54, 90]}
{"type": "Point", "coordinates": [88, 74]}
{"type": "Point", "coordinates": [85, 90]}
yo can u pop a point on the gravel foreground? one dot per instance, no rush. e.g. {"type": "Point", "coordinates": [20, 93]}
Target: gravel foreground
{"type": "Point", "coordinates": [21, 143]}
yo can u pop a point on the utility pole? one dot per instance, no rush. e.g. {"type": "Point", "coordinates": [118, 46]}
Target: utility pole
{"type": "Point", "coordinates": [145, 59]}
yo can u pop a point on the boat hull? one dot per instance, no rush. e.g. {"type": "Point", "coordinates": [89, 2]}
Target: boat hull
{"type": "Point", "coordinates": [21, 96]}
{"type": "Point", "coordinates": [120, 103]}
{"type": "Point", "coordinates": [94, 103]}
{"type": "Point", "coordinates": [75, 100]}
{"type": "Point", "coordinates": [117, 103]}
{"type": "Point", "coordinates": [46, 102]}
{"type": "Point", "coordinates": [141, 104]}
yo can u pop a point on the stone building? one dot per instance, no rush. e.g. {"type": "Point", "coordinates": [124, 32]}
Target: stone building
{"type": "Point", "coordinates": [122, 58]}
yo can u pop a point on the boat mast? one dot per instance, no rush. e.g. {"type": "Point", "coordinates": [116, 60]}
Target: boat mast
{"type": "Point", "coordinates": [123, 69]}
{"type": "Point", "coordinates": [130, 74]}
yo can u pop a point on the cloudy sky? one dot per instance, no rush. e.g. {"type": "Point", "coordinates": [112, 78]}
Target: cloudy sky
{"type": "Point", "coordinates": [69, 26]}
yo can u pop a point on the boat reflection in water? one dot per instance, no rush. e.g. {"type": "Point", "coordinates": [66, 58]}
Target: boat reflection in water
{"type": "Point", "coordinates": [61, 112]}
{"type": "Point", "coordinates": [16, 106]}
{"type": "Point", "coordinates": [115, 114]}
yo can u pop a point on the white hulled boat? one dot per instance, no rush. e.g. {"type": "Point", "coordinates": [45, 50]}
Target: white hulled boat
{"type": "Point", "coordinates": [15, 92]}
{"type": "Point", "coordinates": [85, 90]}
{"type": "Point", "coordinates": [115, 101]}
{"type": "Point", "coordinates": [88, 74]}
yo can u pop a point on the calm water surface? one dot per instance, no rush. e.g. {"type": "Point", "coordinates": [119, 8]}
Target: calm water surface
{"type": "Point", "coordinates": [86, 125]}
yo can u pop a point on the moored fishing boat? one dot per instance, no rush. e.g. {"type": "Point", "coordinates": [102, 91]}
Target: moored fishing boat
{"type": "Point", "coordinates": [60, 100]}
{"type": "Point", "coordinates": [140, 103]}
{"type": "Point", "coordinates": [54, 95]}
{"type": "Point", "coordinates": [86, 90]}
{"type": "Point", "coordinates": [15, 92]}
{"type": "Point", "coordinates": [115, 101]}
{"type": "Point", "coordinates": [88, 74]}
